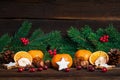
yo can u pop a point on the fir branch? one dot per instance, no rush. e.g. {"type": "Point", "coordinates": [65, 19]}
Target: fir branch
{"type": "Point", "coordinates": [4, 41]}
{"type": "Point", "coordinates": [86, 30]}
{"type": "Point", "coordinates": [27, 48]}
{"type": "Point", "coordinates": [81, 37]}
{"type": "Point", "coordinates": [23, 30]}
{"type": "Point", "coordinates": [100, 32]}
{"type": "Point", "coordinates": [36, 34]}
{"type": "Point", "coordinates": [47, 56]}
{"type": "Point", "coordinates": [113, 33]}
{"type": "Point", "coordinates": [75, 35]}
{"type": "Point", "coordinates": [67, 49]}
{"type": "Point", "coordinates": [93, 39]}
{"type": "Point", "coordinates": [67, 46]}
{"type": "Point", "coordinates": [54, 39]}
{"type": "Point", "coordinates": [47, 38]}
{"type": "Point", "coordinates": [114, 36]}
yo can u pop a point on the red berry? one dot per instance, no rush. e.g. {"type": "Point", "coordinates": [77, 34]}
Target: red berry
{"type": "Point", "coordinates": [20, 69]}
{"type": "Point", "coordinates": [106, 40]}
{"type": "Point", "coordinates": [22, 39]}
{"type": "Point", "coordinates": [67, 70]}
{"type": "Point", "coordinates": [104, 69]}
{"type": "Point", "coordinates": [25, 41]}
{"type": "Point", "coordinates": [107, 36]}
{"type": "Point", "coordinates": [49, 51]}
{"type": "Point", "coordinates": [40, 69]}
{"type": "Point", "coordinates": [32, 70]}
{"type": "Point", "coordinates": [91, 68]}
{"type": "Point", "coordinates": [54, 53]}
{"type": "Point", "coordinates": [55, 50]}
{"type": "Point", "coordinates": [101, 38]}
{"type": "Point", "coordinates": [45, 67]}
{"type": "Point", "coordinates": [104, 36]}
{"type": "Point", "coordinates": [78, 67]}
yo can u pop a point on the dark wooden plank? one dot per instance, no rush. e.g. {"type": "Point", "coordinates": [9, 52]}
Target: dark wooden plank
{"type": "Point", "coordinates": [61, 9]}
{"type": "Point", "coordinates": [73, 73]}
{"type": "Point", "coordinates": [11, 25]}
{"type": "Point", "coordinates": [61, 78]}
{"type": "Point", "coordinates": [113, 74]}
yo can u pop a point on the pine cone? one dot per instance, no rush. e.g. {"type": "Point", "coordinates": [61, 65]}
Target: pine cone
{"type": "Point", "coordinates": [8, 56]}
{"type": "Point", "coordinates": [114, 57]}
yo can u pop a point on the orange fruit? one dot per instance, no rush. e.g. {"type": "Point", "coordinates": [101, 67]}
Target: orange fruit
{"type": "Point", "coordinates": [83, 54]}
{"type": "Point", "coordinates": [58, 57]}
{"type": "Point", "coordinates": [22, 54]}
{"type": "Point", "coordinates": [96, 55]}
{"type": "Point", "coordinates": [36, 53]}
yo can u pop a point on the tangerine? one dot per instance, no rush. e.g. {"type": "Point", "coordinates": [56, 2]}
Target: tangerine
{"type": "Point", "coordinates": [22, 54]}
{"type": "Point", "coordinates": [58, 57]}
{"type": "Point", "coordinates": [96, 55]}
{"type": "Point", "coordinates": [83, 54]}
{"type": "Point", "coordinates": [36, 53]}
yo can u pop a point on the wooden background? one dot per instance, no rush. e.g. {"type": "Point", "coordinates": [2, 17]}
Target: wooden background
{"type": "Point", "coordinates": [58, 14]}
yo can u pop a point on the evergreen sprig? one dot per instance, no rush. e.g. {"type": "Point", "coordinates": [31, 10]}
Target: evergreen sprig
{"type": "Point", "coordinates": [23, 31]}
{"type": "Point", "coordinates": [83, 38]}
{"type": "Point", "coordinates": [86, 38]}
{"type": "Point", "coordinates": [36, 34]}
{"type": "Point", "coordinates": [37, 40]}
{"type": "Point", "coordinates": [4, 42]}
{"type": "Point", "coordinates": [67, 46]}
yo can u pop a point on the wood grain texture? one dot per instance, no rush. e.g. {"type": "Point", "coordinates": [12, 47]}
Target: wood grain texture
{"type": "Point", "coordinates": [60, 75]}
{"type": "Point", "coordinates": [58, 14]}
{"type": "Point", "coordinates": [61, 9]}
{"type": "Point", "coordinates": [11, 26]}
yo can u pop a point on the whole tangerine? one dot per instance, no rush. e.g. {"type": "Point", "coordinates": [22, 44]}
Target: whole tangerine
{"type": "Point", "coordinates": [83, 54]}
{"type": "Point", "coordinates": [58, 57]}
{"type": "Point", "coordinates": [36, 53]}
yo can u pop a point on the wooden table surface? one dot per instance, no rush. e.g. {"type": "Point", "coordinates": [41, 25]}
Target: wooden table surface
{"type": "Point", "coordinates": [52, 74]}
